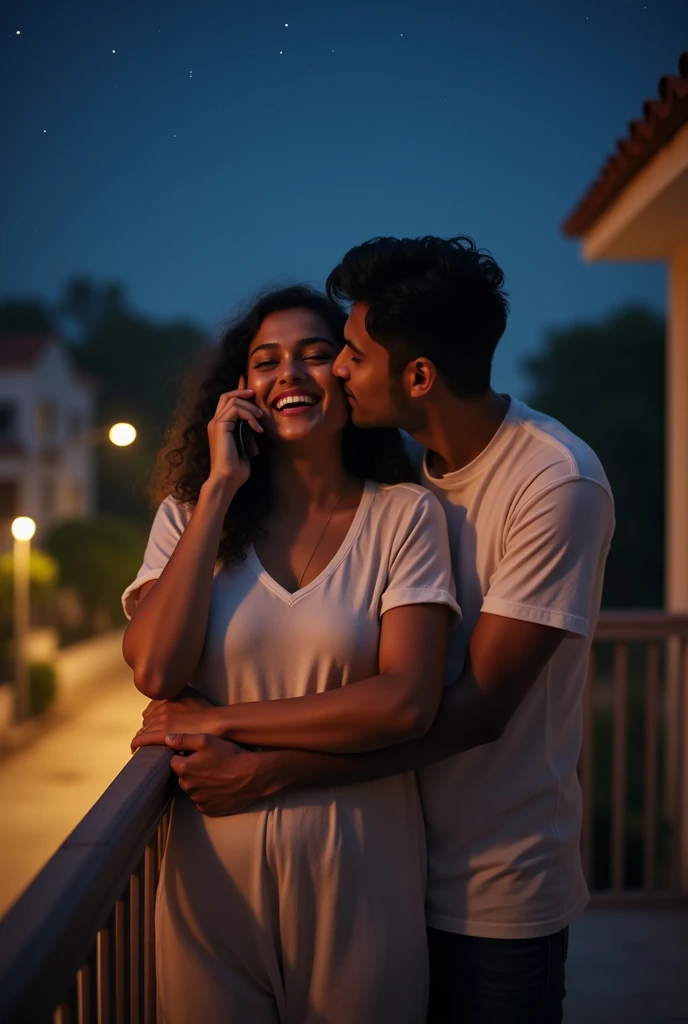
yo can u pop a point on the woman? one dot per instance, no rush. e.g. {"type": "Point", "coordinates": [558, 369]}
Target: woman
{"type": "Point", "coordinates": [310, 602]}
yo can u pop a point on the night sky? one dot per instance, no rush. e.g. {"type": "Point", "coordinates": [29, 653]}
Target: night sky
{"type": "Point", "coordinates": [197, 151]}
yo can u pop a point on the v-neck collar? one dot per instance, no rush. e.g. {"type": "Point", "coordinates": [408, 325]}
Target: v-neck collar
{"type": "Point", "coordinates": [369, 488]}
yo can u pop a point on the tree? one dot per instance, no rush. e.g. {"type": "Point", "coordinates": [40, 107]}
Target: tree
{"type": "Point", "coordinates": [139, 365]}
{"type": "Point", "coordinates": [98, 558]}
{"type": "Point", "coordinates": [605, 381]}
{"type": "Point", "coordinates": [87, 304]}
{"type": "Point", "coordinates": [25, 316]}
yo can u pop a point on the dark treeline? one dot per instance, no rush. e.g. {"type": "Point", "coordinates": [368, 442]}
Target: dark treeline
{"type": "Point", "coordinates": [605, 381]}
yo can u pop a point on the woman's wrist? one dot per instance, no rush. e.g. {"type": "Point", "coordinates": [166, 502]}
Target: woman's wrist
{"type": "Point", "coordinates": [217, 490]}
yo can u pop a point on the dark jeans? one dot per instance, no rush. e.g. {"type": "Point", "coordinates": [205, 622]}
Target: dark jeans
{"type": "Point", "coordinates": [496, 981]}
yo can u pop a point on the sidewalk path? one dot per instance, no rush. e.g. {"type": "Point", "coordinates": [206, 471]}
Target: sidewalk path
{"type": "Point", "coordinates": [46, 788]}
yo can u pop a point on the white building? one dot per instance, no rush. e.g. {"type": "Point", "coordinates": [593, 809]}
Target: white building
{"type": "Point", "coordinates": [47, 416]}
{"type": "Point", "coordinates": [637, 209]}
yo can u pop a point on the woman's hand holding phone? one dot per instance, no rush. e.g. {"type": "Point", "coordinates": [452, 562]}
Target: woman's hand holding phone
{"type": "Point", "coordinates": [227, 465]}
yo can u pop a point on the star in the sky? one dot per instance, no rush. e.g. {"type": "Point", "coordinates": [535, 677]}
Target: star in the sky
{"type": "Point", "coordinates": [18, 32]}
{"type": "Point", "coordinates": [114, 51]}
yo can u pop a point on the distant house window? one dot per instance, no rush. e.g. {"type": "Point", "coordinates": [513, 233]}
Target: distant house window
{"type": "Point", "coordinates": [8, 420]}
{"type": "Point", "coordinates": [8, 499]}
{"type": "Point", "coordinates": [46, 419]}
{"type": "Point", "coordinates": [76, 498]}
{"type": "Point", "coordinates": [48, 496]}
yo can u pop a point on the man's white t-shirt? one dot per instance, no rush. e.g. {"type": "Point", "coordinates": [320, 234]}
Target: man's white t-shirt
{"type": "Point", "coordinates": [530, 524]}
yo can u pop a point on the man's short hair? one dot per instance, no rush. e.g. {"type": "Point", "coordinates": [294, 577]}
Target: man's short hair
{"type": "Point", "coordinates": [441, 298]}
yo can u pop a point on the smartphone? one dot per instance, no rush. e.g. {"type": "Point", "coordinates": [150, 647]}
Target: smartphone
{"type": "Point", "coordinates": [245, 441]}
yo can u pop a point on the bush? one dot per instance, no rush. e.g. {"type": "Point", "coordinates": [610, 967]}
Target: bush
{"type": "Point", "coordinates": [98, 558]}
{"type": "Point", "coordinates": [42, 687]}
{"type": "Point", "coordinates": [44, 577]}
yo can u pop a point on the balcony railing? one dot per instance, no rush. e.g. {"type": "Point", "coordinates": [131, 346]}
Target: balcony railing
{"type": "Point", "coordinates": [78, 946]}
{"type": "Point", "coordinates": [633, 761]}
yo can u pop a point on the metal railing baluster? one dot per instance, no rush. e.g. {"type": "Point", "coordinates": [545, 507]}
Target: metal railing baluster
{"type": "Point", "coordinates": [149, 889]}
{"type": "Point", "coordinates": [588, 770]}
{"type": "Point", "coordinates": [650, 779]}
{"type": "Point", "coordinates": [618, 817]}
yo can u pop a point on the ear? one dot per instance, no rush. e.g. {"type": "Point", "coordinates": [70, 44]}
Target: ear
{"type": "Point", "coordinates": [420, 377]}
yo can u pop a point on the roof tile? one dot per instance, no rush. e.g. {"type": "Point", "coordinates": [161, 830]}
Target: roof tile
{"type": "Point", "coordinates": [661, 119]}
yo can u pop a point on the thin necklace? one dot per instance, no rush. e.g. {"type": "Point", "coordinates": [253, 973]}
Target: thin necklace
{"type": "Point", "coordinates": [319, 539]}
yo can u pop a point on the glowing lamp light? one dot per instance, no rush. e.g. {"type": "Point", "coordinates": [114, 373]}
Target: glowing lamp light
{"type": "Point", "coordinates": [23, 528]}
{"type": "Point", "coordinates": [122, 434]}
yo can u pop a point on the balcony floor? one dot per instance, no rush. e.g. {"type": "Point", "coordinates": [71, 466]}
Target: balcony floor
{"type": "Point", "coordinates": [628, 965]}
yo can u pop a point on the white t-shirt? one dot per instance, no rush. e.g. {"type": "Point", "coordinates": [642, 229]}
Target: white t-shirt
{"type": "Point", "coordinates": [530, 524]}
{"type": "Point", "coordinates": [264, 642]}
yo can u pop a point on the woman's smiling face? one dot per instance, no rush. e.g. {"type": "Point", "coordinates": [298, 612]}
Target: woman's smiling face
{"type": "Point", "coordinates": [290, 364]}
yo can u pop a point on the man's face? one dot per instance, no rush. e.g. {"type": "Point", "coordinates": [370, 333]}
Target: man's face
{"type": "Point", "coordinates": [375, 398]}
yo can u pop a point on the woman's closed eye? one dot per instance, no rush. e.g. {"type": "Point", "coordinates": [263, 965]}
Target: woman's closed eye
{"type": "Point", "coordinates": [318, 357]}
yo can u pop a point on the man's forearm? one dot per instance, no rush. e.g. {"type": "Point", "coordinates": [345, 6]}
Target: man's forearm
{"type": "Point", "coordinates": [466, 719]}
{"type": "Point", "coordinates": [370, 714]}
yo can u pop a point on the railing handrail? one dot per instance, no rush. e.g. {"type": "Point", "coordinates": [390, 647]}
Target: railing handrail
{"type": "Point", "coordinates": [45, 936]}
{"type": "Point", "coordinates": [629, 624]}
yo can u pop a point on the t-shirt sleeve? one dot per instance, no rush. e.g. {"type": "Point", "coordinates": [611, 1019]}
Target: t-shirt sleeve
{"type": "Point", "coordinates": [420, 561]}
{"type": "Point", "coordinates": [168, 526]}
{"type": "Point", "coordinates": [555, 550]}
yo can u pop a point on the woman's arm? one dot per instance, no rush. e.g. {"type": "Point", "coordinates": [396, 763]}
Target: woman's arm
{"type": "Point", "coordinates": [398, 704]}
{"type": "Point", "coordinates": [164, 640]}
{"type": "Point", "coordinates": [506, 657]}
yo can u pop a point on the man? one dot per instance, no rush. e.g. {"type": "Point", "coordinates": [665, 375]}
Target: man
{"type": "Point", "coordinates": [531, 518]}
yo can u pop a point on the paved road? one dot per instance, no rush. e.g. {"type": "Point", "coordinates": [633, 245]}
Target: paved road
{"type": "Point", "coordinates": [47, 788]}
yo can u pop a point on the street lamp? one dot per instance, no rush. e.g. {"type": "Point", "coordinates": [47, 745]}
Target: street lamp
{"type": "Point", "coordinates": [122, 434]}
{"type": "Point", "coordinates": [23, 530]}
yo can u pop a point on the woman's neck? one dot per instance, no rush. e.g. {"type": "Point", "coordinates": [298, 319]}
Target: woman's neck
{"type": "Point", "coordinates": [306, 480]}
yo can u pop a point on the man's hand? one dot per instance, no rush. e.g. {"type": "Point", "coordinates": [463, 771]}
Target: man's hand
{"type": "Point", "coordinates": [188, 712]}
{"type": "Point", "coordinates": [220, 776]}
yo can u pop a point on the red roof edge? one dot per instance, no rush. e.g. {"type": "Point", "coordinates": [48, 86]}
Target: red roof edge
{"type": "Point", "coordinates": [661, 119]}
{"type": "Point", "coordinates": [19, 350]}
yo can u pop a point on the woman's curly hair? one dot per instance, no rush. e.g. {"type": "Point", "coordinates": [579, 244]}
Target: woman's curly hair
{"type": "Point", "coordinates": [183, 464]}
